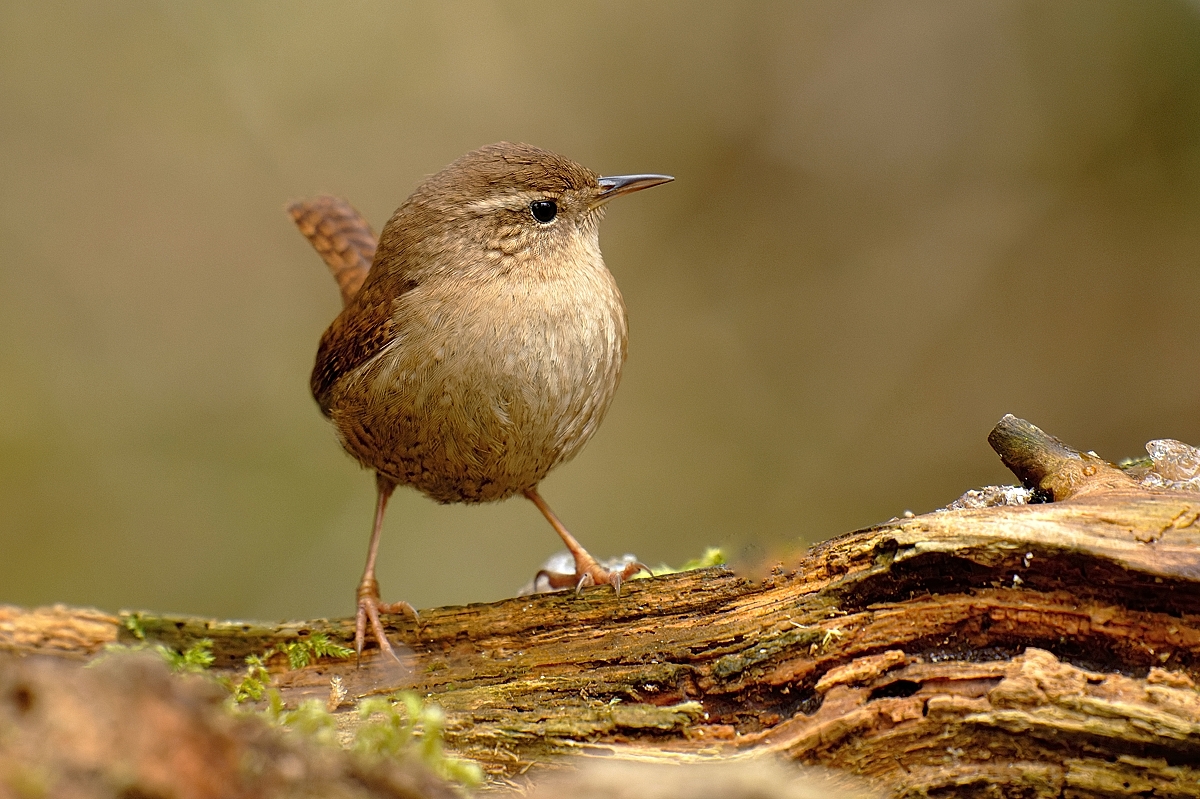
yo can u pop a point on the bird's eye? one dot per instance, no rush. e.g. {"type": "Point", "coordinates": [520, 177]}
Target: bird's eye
{"type": "Point", "coordinates": [544, 211]}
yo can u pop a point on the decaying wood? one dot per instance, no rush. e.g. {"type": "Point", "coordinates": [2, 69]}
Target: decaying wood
{"type": "Point", "coordinates": [1032, 650]}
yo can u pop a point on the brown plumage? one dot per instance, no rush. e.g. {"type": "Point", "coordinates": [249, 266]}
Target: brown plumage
{"type": "Point", "coordinates": [340, 236]}
{"type": "Point", "coordinates": [486, 341]}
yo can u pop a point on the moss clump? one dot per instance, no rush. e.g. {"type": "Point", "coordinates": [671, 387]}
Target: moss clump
{"type": "Point", "coordinates": [397, 726]}
{"type": "Point", "coordinates": [253, 684]}
{"type": "Point", "coordinates": [713, 556]}
{"type": "Point", "coordinates": [418, 730]}
{"type": "Point", "coordinates": [196, 659]}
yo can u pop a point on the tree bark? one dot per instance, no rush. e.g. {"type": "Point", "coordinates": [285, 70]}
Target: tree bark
{"type": "Point", "coordinates": [1024, 650]}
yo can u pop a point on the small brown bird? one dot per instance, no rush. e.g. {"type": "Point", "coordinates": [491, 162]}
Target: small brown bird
{"type": "Point", "coordinates": [482, 346]}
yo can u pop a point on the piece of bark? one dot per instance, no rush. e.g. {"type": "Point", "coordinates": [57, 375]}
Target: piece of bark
{"type": "Point", "coordinates": [1033, 650]}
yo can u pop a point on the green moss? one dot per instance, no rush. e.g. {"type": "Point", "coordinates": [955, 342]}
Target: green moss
{"type": "Point", "coordinates": [195, 659]}
{"type": "Point", "coordinates": [301, 653]}
{"type": "Point", "coordinates": [253, 684]}
{"type": "Point", "coordinates": [309, 719]}
{"type": "Point", "coordinates": [767, 648]}
{"type": "Point", "coordinates": [713, 556]}
{"type": "Point", "coordinates": [133, 623]}
{"type": "Point", "coordinates": [396, 726]}
{"type": "Point", "coordinates": [652, 717]}
{"type": "Point", "coordinates": [418, 730]}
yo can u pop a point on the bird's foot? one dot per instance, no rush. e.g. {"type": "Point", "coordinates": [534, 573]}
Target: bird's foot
{"type": "Point", "coordinates": [369, 608]}
{"type": "Point", "coordinates": [589, 572]}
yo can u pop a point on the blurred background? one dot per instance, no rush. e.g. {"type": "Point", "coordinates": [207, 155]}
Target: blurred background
{"type": "Point", "coordinates": [892, 223]}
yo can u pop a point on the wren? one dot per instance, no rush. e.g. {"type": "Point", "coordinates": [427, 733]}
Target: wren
{"type": "Point", "coordinates": [481, 340]}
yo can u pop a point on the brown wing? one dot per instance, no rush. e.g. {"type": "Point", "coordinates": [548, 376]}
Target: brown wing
{"type": "Point", "coordinates": [340, 236]}
{"type": "Point", "coordinates": [356, 336]}
{"type": "Point", "coordinates": [344, 240]}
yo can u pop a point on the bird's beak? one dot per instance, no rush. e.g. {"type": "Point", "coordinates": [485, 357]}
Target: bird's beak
{"type": "Point", "coordinates": [625, 184]}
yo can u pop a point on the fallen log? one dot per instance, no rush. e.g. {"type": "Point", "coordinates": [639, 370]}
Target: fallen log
{"type": "Point", "coordinates": [1046, 649]}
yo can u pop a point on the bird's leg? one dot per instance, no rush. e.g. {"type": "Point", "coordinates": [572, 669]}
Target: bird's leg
{"type": "Point", "coordinates": [369, 606]}
{"type": "Point", "coordinates": [587, 570]}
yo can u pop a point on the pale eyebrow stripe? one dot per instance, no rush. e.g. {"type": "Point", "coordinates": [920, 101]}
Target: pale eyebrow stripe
{"type": "Point", "coordinates": [511, 200]}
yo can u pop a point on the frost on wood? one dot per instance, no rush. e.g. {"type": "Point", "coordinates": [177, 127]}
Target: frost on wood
{"type": "Point", "coordinates": [1036, 650]}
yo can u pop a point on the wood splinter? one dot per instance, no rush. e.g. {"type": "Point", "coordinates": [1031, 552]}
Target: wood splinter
{"type": "Point", "coordinates": [1044, 464]}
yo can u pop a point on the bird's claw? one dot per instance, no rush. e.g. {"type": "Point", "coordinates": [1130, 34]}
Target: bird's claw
{"type": "Point", "coordinates": [587, 575]}
{"type": "Point", "coordinates": [369, 608]}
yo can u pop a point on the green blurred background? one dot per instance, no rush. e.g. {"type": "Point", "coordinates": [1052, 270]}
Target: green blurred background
{"type": "Point", "coordinates": [892, 224]}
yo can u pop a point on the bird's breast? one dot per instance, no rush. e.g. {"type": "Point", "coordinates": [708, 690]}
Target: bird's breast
{"type": "Point", "coordinates": [488, 386]}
